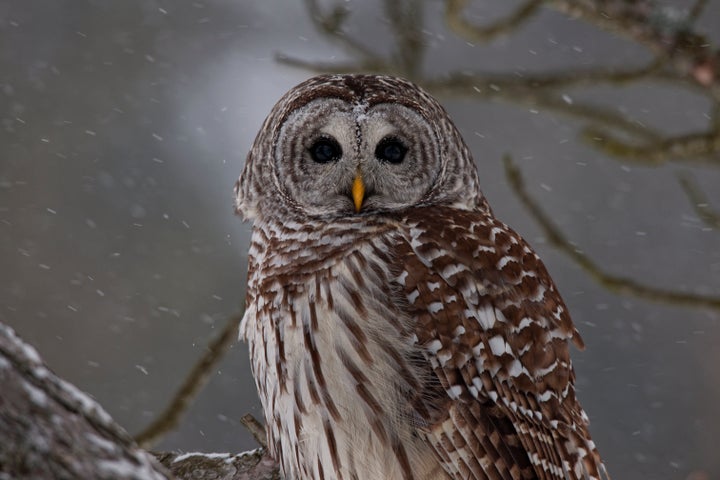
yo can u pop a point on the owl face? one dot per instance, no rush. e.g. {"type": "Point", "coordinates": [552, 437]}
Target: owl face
{"type": "Point", "coordinates": [334, 157]}
{"type": "Point", "coordinates": [356, 145]}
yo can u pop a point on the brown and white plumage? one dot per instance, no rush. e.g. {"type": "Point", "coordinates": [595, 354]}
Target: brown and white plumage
{"type": "Point", "coordinates": [396, 328]}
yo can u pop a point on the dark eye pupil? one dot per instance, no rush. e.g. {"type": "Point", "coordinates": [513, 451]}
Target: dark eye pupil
{"type": "Point", "coordinates": [391, 150]}
{"type": "Point", "coordinates": [325, 150]}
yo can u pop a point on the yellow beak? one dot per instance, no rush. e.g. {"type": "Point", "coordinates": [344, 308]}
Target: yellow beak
{"type": "Point", "coordinates": [358, 191]}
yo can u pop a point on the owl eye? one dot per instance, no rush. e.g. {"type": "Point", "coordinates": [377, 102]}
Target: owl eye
{"type": "Point", "coordinates": [391, 150]}
{"type": "Point", "coordinates": [325, 150]}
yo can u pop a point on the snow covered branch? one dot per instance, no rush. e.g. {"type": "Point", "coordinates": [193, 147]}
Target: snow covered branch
{"type": "Point", "coordinates": [50, 429]}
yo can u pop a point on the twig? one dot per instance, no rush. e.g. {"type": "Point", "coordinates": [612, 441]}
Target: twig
{"type": "Point", "coordinates": [612, 282]}
{"type": "Point", "coordinates": [696, 11]}
{"type": "Point", "coordinates": [330, 24]}
{"type": "Point", "coordinates": [643, 22]}
{"type": "Point", "coordinates": [562, 79]}
{"type": "Point", "coordinates": [191, 386]}
{"type": "Point", "coordinates": [699, 201]}
{"type": "Point", "coordinates": [406, 18]}
{"type": "Point", "coordinates": [475, 33]}
{"type": "Point", "coordinates": [715, 117]}
{"type": "Point", "coordinates": [256, 429]}
{"type": "Point", "coordinates": [494, 87]}
{"type": "Point", "coordinates": [699, 147]}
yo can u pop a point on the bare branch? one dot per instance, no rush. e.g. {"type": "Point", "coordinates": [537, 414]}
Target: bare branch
{"type": "Point", "coordinates": [52, 430]}
{"type": "Point", "coordinates": [644, 22]}
{"type": "Point", "coordinates": [330, 24]}
{"type": "Point", "coordinates": [406, 18]}
{"type": "Point", "coordinates": [715, 117]}
{"type": "Point", "coordinates": [510, 89]}
{"type": "Point", "coordinates": [473, 33]}
{"type": "Point", "coordinates": [615, 283]}
{"type": "Point", "coordinates": [699, 201]}
{"type": "Point", "coordinates": [696, 11]}
{"type": "Point", "coordinates": [193, 384]}
{"type": "Point", "coordinates": [701, 148]}
{"type": "Point", "coordinates": [256, 429]}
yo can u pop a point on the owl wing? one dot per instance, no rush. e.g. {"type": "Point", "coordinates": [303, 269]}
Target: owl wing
{"type": "Point", "coordinates": [495, 332]}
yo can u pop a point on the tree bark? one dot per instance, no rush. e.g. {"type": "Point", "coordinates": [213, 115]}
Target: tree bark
{"type": "Point", "coordinates": [51, 430]}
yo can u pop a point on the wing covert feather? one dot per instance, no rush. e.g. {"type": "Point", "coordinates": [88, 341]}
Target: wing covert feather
{"type": "Point", "coordinates": [496, 333]}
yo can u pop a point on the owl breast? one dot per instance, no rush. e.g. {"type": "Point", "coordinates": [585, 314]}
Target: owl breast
{"type": "Point", "coordinates": [333, 362]}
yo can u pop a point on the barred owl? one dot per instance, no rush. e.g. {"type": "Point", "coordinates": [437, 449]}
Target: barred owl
{"type": "Point", "coordinates": [396, 328]}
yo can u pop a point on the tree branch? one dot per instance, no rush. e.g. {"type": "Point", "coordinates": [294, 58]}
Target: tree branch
{"type": "Point", "coordinates": [699, 202]}
{"type": "Point", "coordinates": [52, 430]}
{"type": "Point", "coordinates": [475, 33]}
{"type": "Point", "coordinates": [648, 24]}
{"type": "Point", "coordinates": [193, 384]}
{"type": "Point", "coordinates": [614, 283]}
{"type": "Point", "coordinates": [253, 465]}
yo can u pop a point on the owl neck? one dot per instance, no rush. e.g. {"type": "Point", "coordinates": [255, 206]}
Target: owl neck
{"type": "Point", "coordinates": [308, 244]}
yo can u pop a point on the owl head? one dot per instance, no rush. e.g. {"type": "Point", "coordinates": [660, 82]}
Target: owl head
{"type": "Point", "coordinates": [356, 145]}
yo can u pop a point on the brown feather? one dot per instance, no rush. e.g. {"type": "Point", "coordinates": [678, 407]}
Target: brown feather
{"type": "Point", "coordinates": [510, 402]}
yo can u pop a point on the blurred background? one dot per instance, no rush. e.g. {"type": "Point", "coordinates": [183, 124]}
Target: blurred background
{"type": "Point", "coordinates": [126, 123]}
